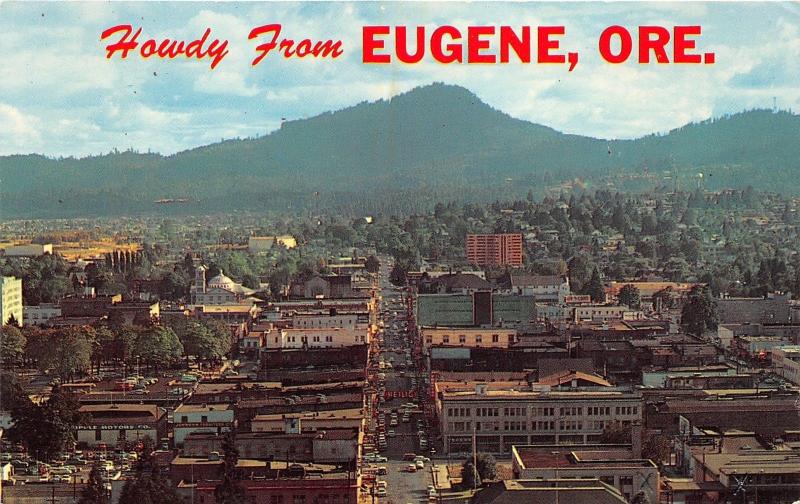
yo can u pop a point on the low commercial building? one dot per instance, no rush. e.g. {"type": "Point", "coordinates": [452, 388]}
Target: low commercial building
{"type": "Point", "coordinates": [213, 418]}
{"type": "Point", "coordinates": [330, 446]}
{"type": "Point", "coordinates": [232, 313]}
{"type": "Point", "coordinates": [741, 409]}
{"type": "Point", "coordinates": [658, 377]}
{"type": "Point", "coordinates": [604, 313]}
{"type": "Point", "coordinates": [786, 362]}
{"type": "Point", "coordinates": [309, 421]}
{"type": "Point", "coordinates": [771, 309]}
{"type": "Point", "coordinates": [610, 464]}
{"type": "Point", "coordinates": [773, 475]}
{"type": "Point", "coordinates": [88, 305]}
{"type": "Point", "coordinates": [545, 288]}
{"type": "Point", "coordinates": [585, 491]}
{"type": "Point", "coordinates": [134, 312]}
{"type": "Point", "coordinates": [28, 250]}
{"type": "Point", "coordinates": [117, 425]}
{"type": "Point", "coordinates": [298, 483]}
{"type": "Point", "coordinates": [40, 314]}
{"type": "Point", "coordinates": [469, 337]}
{"type": "Point", "coordinates": [476, 309]}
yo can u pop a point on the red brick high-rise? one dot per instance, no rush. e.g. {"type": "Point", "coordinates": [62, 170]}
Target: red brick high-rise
{"type": "Point", "coordinates": [495, 249]}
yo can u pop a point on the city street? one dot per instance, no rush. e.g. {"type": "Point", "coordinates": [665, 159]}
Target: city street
{"type": "Point", "coordinates": [398, 375]}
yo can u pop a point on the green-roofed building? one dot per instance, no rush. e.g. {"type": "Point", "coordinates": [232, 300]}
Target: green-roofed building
{"type": "Point", "coordinates": [475, 309]}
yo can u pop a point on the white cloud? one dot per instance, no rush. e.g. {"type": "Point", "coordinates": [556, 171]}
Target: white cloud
{"type": "Point", "coordinates": [17, 130]}
{"type": "Point", "coordinates": [62, 96]}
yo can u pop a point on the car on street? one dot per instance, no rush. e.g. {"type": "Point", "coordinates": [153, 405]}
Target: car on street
{"type": "Point", "coordinates": [420, 464]}
{"type": "Point", "coordinates": [411, 468]}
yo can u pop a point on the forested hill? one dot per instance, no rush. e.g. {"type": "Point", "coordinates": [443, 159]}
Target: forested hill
{"type": "Point", "coordinates": [437, 141]}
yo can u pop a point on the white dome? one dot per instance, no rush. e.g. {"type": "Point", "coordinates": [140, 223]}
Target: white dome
{"type": "Point", "coordinates": [221, 282]}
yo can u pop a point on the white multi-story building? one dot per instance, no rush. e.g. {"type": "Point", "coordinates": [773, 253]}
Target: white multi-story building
{"type": "Point", "coordinates": [501, 414]}
{"type": "Point", "coordinates": [28, 250]}
{"type": "Point", "coordinates": [316, 338]}
{"type": "Point", "coordinates": [315, 321]}
{"type": "Point", "coordinates": [10, 299]}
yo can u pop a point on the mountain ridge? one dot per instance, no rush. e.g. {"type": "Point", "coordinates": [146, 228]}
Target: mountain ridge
{"type": "Point", "coordinates": [436, 136]}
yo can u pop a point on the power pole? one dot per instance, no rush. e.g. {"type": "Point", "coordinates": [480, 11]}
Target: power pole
{"type": "Point", "coordinates": [474, 460]}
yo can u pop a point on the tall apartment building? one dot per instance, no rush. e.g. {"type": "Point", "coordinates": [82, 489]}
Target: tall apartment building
{"type": "Point", "coordinates": [501, 415]}
{"type": "Point", "coordinates": [495, 249]}
{"type": "Point", "coordinates": [10, 299]}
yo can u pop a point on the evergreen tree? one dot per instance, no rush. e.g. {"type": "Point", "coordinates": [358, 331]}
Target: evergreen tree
{"type": "Point", "coordinates": [95, 491]}
{"type": "Point", "coordinates": [629, 296]}
{"type": "Point", "coordinates": [595, 287]}
{"type": "Point", "coordinates": [229, 491]}
{"type": "Point", "coordinates": [12, 346]}
{"type": "Point", "coordinates": [372, 265]}
{"type": "Point", "coordinates": [53, 422]}
{"type": "Point", "coordinates": [469, 475]}
{"type": "Point", "coordinates": [149, 486]}
{"type": "Point", "coordinates": [13, 322]}
{"type": "Point", "coordinates": [398, 275]}
{"type": "Point", "coordinates": [485, 469]}
{"type": "Point", "coordinates": [700, 312]}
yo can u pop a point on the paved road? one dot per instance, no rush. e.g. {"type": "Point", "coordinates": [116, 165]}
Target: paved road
{"type": "Point", "coordinates": [403, 487]}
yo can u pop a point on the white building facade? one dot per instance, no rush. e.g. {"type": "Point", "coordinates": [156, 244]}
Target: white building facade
{"type": "Point", "coordinates": [10, 300]}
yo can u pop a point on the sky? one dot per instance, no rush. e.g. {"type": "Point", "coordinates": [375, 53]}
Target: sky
{"type": "Point", "coordinates": [61, 96]}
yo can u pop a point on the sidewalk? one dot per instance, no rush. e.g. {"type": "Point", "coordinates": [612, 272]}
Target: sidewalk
{"type": "Point", "coordinates": [441, 478]}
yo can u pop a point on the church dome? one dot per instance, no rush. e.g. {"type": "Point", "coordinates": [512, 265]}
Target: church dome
{"type": "Point", "coordinates": [221, 282]}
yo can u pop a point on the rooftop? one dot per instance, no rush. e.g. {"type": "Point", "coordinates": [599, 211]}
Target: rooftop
{"type": "Point", "coordinates": [202, 408]}
{"type": "Point", "coordinates": [580, 491]}
{"type": "Point", "coordinates": [340, 414]}
{"type": "Point", "coordinates": [755, 461]}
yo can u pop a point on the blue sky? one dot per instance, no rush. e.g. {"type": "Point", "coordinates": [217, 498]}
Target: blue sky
{"type": "Point", "coordinates": [59, 95]}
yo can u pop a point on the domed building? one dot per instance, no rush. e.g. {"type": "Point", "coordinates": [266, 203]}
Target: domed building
{"type": "Point", "coordinates": [219, 290]}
